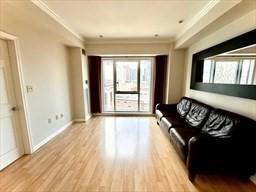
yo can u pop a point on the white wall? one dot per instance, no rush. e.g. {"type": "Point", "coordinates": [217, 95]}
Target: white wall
{"type": "Point", "coordinates": [45, 64]}
{"type": "Point", "coordinates": [242, 24]}
{"type": "Point", "coordinates": [175, 71]}
{"type": "Point", "coordinates": [176, 75]}
{"type": "Point", "coordinates": [76, 62]}
{"type": "Point", "coordinates": [127, 48]}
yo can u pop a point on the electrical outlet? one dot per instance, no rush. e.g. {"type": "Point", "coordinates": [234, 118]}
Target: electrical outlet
{"type": "Point", "coordinates": [49, 120]}
{"type": "Point", "coordinates": [56, 117]}
{"type": "Point", "coordinates": [61, 115]}
{"type": "Point", "coordinates": [29, 88]}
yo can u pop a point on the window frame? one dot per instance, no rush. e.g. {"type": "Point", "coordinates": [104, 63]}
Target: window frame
{"type": "Point", "coordinates": [115, 92]}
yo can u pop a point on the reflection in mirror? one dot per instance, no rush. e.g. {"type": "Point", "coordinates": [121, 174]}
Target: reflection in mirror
{"type": "Point", "coordinates": [234, 67]}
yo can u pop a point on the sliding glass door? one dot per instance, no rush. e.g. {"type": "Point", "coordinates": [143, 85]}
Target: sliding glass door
{"type": "Point", "coordinates": [127, 84]}
{"type": "Point", "coordinates": [126, 87]}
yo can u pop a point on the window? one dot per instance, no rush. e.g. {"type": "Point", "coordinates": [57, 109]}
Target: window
{"type": "Point", "coordinates": [229, 70]}
{"type": "Point", "coordinates": [127, 84]}
{"type": "Point", "coordinates": [226, 72]}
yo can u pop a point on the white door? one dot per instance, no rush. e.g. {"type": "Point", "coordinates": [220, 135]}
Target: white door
{"type": "Point", "coordinates": [11, 147]}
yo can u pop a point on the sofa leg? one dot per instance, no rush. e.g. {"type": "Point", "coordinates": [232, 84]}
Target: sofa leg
{"type": "Point", "coordinates": [191, 176]}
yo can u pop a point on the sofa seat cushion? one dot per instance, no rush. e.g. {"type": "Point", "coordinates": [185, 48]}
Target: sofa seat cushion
{"type": "Point", "coordinates": [172, 121]}
{"type": "Point", "coordinates": [197, 114]}
{"type": "Point", "coordinates": [163, 113]}
{"type": "Point", "coordinates": [180, 138]}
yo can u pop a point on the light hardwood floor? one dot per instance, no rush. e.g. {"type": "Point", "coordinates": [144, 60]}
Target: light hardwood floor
{"type": "Point", "coordinates": [110, 154]}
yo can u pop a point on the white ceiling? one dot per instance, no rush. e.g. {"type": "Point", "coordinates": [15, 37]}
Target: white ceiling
{"type": "Point", "coordinates": [126, 19]}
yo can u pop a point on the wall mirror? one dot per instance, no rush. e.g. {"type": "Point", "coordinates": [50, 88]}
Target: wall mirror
{"type": "Point", "coordinates": [228, 68]}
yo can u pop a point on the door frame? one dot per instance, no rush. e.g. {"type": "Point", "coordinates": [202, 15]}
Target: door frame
{"type": "Point", "coordinates": [19, 90]}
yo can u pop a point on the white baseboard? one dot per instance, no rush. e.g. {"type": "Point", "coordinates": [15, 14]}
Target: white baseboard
{"type": "Point", "coordinates": [78, 120]}
{"type": "Point", "coordinates": [125, 114]}
{"type": "Point", "coordinates": [253, 179]}
{"type": "Point", "coordinates": [88, 117]}
{"type": "Point", "coordinates": [47, 139]}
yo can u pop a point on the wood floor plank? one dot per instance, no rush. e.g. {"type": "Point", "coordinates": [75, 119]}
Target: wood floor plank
{"type": "Point", "coordinates": [110, 154]}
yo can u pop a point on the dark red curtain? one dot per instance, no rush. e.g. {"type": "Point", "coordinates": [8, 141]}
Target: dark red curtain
{"type": "Point", "coordinates": [94, 63]}
{"type": "Point", "coordinates": [159, 81]}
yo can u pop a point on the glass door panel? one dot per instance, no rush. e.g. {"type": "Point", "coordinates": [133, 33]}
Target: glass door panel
{"type": "Point", "coordinates": [226, 72]}
{"type": "Point", "coordinates": [127, 102]}
{"type": "Point", "coordinates": [108, 85]}
{"type": "Point", "coordinates": [145, 85]}
{"type": "Point", "coordinates": [126, 76]}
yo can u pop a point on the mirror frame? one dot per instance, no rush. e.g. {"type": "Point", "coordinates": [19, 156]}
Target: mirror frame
{"type": "Point", "coordinates": [245, 91]}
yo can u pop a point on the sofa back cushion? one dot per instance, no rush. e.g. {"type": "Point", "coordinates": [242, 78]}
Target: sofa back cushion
{"type": "Point", "coordinates": [197, 114]}
{"type": "Point", "coordinates": [183, 106]}
{"type": "Point", "coordinates": [221, 124]}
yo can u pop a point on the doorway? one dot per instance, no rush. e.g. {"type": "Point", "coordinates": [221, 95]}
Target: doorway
{"type": "Point", "coordinates": [15, 133]}
{"type": "Point", "coordinates": [11, 147]}
{"type": "Point", "coordinates": [127, 84]}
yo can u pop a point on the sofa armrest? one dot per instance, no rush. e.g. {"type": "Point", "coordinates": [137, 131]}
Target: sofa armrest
{"type": "Point", "coordinates": [166, 107]}
{"type": "Point", "coordinates": [207, 152]}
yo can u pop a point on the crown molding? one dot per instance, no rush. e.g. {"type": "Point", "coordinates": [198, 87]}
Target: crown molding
{"type": "Point", "coordinates": [45, 8]}
{"type": "Point", "coordinates": [207, 8]}
{"type": "Point", "coordinates": [129, 41]}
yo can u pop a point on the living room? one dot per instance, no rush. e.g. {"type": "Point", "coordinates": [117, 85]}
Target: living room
{"type": "Point", "coordinates": [127, 95]}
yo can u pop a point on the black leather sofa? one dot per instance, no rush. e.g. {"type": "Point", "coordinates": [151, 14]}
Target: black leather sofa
{"type": "Point", "coordinates": [209, 140]}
